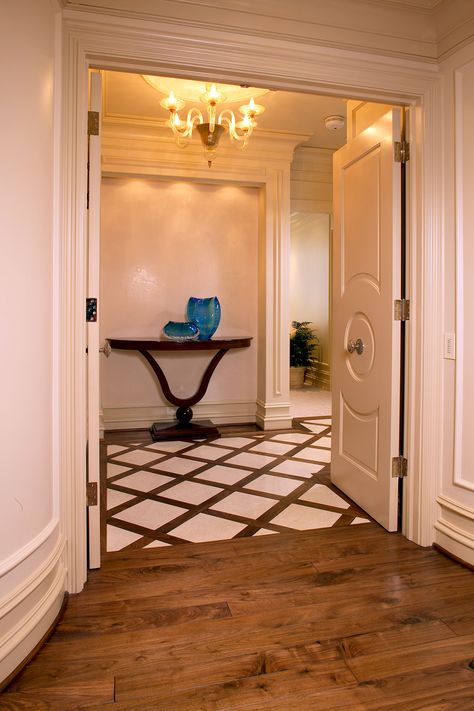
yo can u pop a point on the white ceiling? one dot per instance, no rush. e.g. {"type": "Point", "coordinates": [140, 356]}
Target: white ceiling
{"type": "Point", "coordinates": [129, 95]}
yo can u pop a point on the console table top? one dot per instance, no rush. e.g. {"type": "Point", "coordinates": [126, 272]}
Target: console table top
{"type": "Point", "coordinates": [164, 344]}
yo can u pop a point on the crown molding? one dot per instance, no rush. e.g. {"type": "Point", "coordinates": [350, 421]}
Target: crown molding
{"type": "Point", "coordinates": [390, 30]}
{"type": "Point", "coordinates": [134, 147]}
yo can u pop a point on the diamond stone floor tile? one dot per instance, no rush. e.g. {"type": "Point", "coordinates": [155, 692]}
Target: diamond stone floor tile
{"type": "Point", "coordinates": [245, 505]}
{"type": "Point", "coordinates": [137, 457]}
{"type": "Point", "coordinates": [143, 481]}
{"type": "Point", "coordinates": [150, 514]}
{"type": "Point", "coordinates": [207, 528]}
{"type": "Point", "coordinates": [302, 518]}
{"type": "Point", "coordinates": [215, 489]}
{"type": "Point", "coordinates": [191, 492]}
{"type": "Point", "coordinates": [269, 447]}
{"type": "Point", "coordinates": [178, 465]}
{"type": "Point", "coordinates": [253, 461]}
{"type": "Point", "coordinates": [114, 469]}
{"type": "Point", "coordinates": [274, 484]}
{"type": "Point", "coordinates": [223, 475]}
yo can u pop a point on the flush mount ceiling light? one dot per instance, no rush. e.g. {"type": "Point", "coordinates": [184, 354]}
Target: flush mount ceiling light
{"type": "Point", "coordinates": [178, 91]}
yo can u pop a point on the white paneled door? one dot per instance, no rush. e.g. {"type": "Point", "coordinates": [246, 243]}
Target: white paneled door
{"type": "Point", "coordinates": [93, 391]}
{"type": "Point", "coordinates": [366, 338]}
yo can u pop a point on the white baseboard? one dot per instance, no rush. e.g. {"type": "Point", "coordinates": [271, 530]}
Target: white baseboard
{"type": "Point", "coordinates": [454, 530]}
{"type": "Point", "coordinates": [273, 416]}
{"type": "Point", "coordinates": [319, 376]}
{"type": "Point", "coordinates": [221, 413]}
{"type": "Point", "coordinates": [30, 607]}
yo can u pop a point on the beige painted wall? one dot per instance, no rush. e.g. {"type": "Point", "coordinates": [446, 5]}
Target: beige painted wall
{"type": "Point", "coordinates": [455, 525]}
{"type": "Point", "coordinates": [31, 576]}
{"type": "Point", "coordinates": [161, 242]}
{"type": "Point", "coordinates": [26, 504]}
{"type": "Point", "coordinates": [309, 274]}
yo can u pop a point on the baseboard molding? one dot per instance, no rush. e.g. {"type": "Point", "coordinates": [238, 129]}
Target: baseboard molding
{"type": "Point", "coordinates": [8, 680]}
{"type": "Point", "coordinates": [319, 375]}
{"type": "Point", "coordinates": [221, 413]}
{"type": "Point", "coordinates": [442, 550]}
{"type": "Point", "coordinates": [30, 607]}
{"type": "Point", "coordinates": [273, 416]}
{"type": "Point", "coordinates": [454, 530]}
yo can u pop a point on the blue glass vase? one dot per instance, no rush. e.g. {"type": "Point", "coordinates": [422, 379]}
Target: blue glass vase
{"type": "Point", "coordinates": [181, 331]}
{"type": "Point", "coordinates": [206, 314]}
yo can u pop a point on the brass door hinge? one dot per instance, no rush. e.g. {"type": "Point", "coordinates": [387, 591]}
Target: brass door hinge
{"type": "Point", "coordinates": [401, 151]}
{"type": "Point", "coordinates": [399, 467]}
{"type": "Point", "coordinates": [401, 309]}
{"type": "Point", "coordinates": [93, 123]}
{"type": "Point", "coordinates": [91, 493]}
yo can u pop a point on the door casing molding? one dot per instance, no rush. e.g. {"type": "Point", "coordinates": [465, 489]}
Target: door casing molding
{"type": "Point", "coordinates": [114, 42]}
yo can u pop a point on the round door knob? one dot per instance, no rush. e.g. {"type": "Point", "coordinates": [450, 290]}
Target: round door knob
{"type": "Point", "coordinates": [356, 346]}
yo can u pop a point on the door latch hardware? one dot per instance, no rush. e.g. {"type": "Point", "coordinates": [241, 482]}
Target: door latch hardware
{"type": "Point", "coordinates": [106, 349]}
{"type": "Point", "coordinates": [91, 493]}
{"type": "Point", "coordinates": [399, 467]}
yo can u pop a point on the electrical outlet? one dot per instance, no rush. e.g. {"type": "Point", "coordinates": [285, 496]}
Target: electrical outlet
{"type": "Point", "coordinates": [450, 346]}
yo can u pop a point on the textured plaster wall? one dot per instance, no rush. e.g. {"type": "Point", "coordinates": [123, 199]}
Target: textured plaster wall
{"type": "Point", "coordinates": [161, 242]}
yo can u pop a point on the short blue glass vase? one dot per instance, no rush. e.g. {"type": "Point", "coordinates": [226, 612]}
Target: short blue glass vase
{"type": "Point", "coordinates": [206, 314]}
{"type": "Point", "coordinates": [181, 331]}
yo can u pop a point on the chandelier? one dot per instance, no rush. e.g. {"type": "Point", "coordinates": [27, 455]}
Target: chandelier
{"type": "Point", "coordinates": [214, 124]}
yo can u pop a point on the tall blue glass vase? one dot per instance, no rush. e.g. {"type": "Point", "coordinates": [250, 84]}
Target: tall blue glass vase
{"type": "Point", "coordinates": [206, 314]}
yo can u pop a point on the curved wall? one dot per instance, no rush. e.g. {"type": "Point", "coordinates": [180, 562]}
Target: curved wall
{"type": "Point", "coordinates": [31, 567]}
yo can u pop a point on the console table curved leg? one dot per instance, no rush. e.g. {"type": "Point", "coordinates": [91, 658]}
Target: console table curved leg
{"type": "Point", "coordinates": [184, 413]}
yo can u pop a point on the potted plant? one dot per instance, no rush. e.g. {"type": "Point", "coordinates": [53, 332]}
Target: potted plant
{"type": "Point", "coordinates": [302, 342]}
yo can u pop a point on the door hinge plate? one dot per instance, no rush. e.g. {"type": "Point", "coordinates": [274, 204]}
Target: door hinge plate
{"type": "Point", "coordinates": [91, 310]}
{"type": "Point", "coordinates": [401, 151]}
{"type": "Point", "coordinates": [91, 493]}
{"type": "Point", "coordinates": [401, 309]}
{"type": "Point", "coordinates": [399, 467]}
{"type": "Point", "coordinates": [93, 123]}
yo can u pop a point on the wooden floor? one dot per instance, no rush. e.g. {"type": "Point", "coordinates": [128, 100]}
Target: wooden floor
{"type": "Point", "coordinates": [343, 618]}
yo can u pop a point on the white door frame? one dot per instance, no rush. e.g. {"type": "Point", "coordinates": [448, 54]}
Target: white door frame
{"type": "Point", "coordinates": [117, 43]}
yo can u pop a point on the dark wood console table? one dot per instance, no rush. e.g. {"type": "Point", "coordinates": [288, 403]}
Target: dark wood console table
{"type": "Point", "coordinates": [184, 427]}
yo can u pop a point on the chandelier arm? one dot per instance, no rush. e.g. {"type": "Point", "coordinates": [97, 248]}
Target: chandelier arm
{"type": "Point", "coordinates": [227, 117]}
{"type": "Point", "coordinates": [178, 130]}
{"type": "Point", "coordinates": [236, 133]}
{"type": "Point", "coordinates": [185, 130]}
{"type": "Point", "coordinates": [194, 116]}
{"type": "Point", "coordinates": [182, 143]}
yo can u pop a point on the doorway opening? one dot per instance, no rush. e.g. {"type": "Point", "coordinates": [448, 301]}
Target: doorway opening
{"type": "Point", "coordinates": [310, 288]}
{"type": "Point", "coordinates": [136, 465]}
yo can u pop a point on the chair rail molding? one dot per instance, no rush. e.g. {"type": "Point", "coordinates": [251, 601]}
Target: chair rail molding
{"type": "Point", "coordinates": [110, 41]}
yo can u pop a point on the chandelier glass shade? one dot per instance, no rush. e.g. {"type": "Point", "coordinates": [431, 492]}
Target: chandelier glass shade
{"type": "Point", "coordinates": [214, 123]}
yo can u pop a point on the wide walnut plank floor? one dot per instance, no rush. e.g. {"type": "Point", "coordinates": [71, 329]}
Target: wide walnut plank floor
{"type": "Point", "coordinates": [340, 618]}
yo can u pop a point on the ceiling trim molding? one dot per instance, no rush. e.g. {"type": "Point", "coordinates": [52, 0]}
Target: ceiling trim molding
{"type": "Point", "coordinates": [348, 24]}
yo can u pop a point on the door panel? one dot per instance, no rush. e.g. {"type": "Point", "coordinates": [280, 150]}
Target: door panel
{"type": "Point", "coordinates": [366, 280]}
